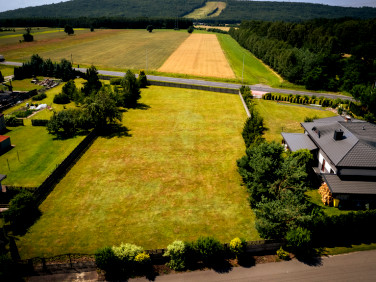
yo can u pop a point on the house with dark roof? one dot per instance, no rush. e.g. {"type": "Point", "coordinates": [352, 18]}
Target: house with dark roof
{"type": "Point", "coordinates": [345, 152]}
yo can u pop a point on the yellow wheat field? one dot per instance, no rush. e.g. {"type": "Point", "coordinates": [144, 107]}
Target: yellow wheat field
{"type": "Point", "coordinates": [201, 55]}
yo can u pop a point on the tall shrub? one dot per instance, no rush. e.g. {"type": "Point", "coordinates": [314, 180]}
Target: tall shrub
{"type": "Point", "coordinates": [209, 249]}
{"type": "Point", "coordinates": [177, 253]}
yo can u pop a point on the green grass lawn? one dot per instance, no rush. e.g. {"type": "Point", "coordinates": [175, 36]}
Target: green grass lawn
{"type": "Point", "coordinates": [280, 117]}
{"type": "Point", "coordinates": [6, 70]}
{"type": "Point", "coordinates": [173, 177]}
{"type": "Point", "coordinates": [254, 71]}
{"type": "Point", "coordinates": [34, 156]}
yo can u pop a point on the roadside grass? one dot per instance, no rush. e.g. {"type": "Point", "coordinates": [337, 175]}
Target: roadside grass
{"type": "Point", "coordinates": [255, 72]}
{"type": "Point", "coordinates": [280, 117]}
{"type": "Point", "coordinates": [106, 49]}
{"type": "Point", "coordinates": [34, 156]}
{"type": "Point", "coordinates": [170, 175]}
{"type": "Point", "coordinates": [331, 251]}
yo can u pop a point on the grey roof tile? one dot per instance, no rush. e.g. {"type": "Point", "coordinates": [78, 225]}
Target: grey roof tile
{"type": "Point", "coordinates": [353, 185]}
{"type": "Point", "coordinates": [297, 141]}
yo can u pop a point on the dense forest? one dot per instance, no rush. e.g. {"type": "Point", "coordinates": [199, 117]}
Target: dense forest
{"type": "Point", "coordinates": [109, 8]}
{"type": "Point", "coordinates": [234, 12]}
{"type": "Point", "coordinates": [103, 22]}
{"type": "Point", "coordinates": [321, 54]}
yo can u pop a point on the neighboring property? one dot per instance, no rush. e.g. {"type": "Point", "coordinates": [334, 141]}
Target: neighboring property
{"type": "Point", "coordinates": [345, 152]}
{"type": "Point", "coordinates": [4, 143]}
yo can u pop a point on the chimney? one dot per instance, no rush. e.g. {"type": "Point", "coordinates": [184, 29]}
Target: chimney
{"type": "Point", "coordinates": [338, 134]}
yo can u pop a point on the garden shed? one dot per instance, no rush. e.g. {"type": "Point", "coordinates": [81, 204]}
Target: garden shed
{"type": "Point", "coordinates": [4, 143]}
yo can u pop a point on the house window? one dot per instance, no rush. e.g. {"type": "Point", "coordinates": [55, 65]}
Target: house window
{"type": "Point", "coordinates": [323, 165]}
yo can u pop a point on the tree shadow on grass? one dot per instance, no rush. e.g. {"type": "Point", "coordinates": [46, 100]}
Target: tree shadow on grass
{"type": "Point", "coordinates": [115, 130]}
{"type": "Point", "coordinates": [140, 106]}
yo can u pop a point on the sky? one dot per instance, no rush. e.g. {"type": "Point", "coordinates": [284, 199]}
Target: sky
{"type": "Point", "coordinates": [15, 4]}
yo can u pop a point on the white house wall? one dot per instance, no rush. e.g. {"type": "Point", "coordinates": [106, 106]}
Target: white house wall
{"type": "Point", "coordinates": [328, 165]}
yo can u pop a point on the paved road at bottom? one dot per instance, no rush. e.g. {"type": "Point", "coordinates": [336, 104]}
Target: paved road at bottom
{"type": "Point", "coordinates": [263, 88]}
{"type": "Point", "coordinates": [360, 266]}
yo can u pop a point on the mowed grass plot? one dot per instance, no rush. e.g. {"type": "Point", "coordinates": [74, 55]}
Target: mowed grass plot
{"type": "Point", "coordinates": [173, 177]}
{"type": "Point", "coordinates": [255, 72]}
{"type": "Point", "coordinates": [280, 117]}
{"type": "Point", "coordinates": [106, 49]}
{"type": "Point", "coordinates": [200, 55]}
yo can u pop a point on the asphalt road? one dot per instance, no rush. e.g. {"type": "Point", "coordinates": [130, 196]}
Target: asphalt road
{"type": "Point", "coordinates": [359, 266]}
{"type": "Point", "coordinates": [263, 88]}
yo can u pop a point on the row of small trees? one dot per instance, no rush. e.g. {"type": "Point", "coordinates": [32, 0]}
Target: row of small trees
{"type": "Point", "coordinates": [129, 259]}
{"type": "Point", "coordinates": [275, 180]}
{"type": "Point", "coordinates": [298, 99]}
{"type": "Point", "coordinates": [38, 66]}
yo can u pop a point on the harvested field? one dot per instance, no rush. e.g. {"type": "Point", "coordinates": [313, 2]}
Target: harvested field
{"type": "Point", "coordinates": [210, 10]}
{"type": "Point", "coordinates": [201, 55]}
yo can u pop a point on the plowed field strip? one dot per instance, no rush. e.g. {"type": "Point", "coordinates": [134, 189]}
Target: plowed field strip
{"type": "Point", "coordinates": [201, 55]}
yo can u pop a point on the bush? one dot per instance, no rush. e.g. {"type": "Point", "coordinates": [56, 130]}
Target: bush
{"type": "Point", "coordinates": [61, 99]}
{"type": "Point", "coordinates": [22, 211]}
{"type": "Point", "coordinates": [282, 254]}
{"type": "Point", "coordinates": [209, 249]}
{"type": "Point", "coordinates": [11, 121]}
{"type": "Point", "coordinates": [238, 246]}
{"type": "Point", "coordinates": [299, 240]}
{"type": "Point", "coordinates": [39, 97]}
{"type": "Point", "coordinates": [142, 79]}
{"type": "Point", "coordinates": [142, 259]}
{"type": "Point", "coordinates": [190, 29]}
{"type": "Point", "coordinates": [127, 252]}
{"type": "Point", "coordinates": [177, 253]}
{"type": "Point", "coordinates": [23, 114]}
{"type": "Point", "coordinates": [105, 258]}
{"type": "Point", "coordinates": [115, 81]}
{"type": "Point", "coordinates": [39, 122]}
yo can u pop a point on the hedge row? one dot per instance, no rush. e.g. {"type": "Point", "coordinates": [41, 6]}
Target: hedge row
{"type": "Point", "coordinates": [298, 99]}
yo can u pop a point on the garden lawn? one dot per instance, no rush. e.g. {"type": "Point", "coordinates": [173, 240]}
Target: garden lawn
{"type": "Point", "coordinates": [173, 177]}
{"type": "Point", "coordinates": [35, 155]}
{"type": "Point", "coordinates": [315, 197]}
{"type": "Point", "coordinates": [280, 117]}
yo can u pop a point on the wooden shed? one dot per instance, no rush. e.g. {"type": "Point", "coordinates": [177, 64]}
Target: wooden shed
{"type": "Point", "coordinates": [4, 143]}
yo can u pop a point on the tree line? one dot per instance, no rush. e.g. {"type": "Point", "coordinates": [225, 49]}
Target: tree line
{"type": "Point", "coordinates": [321, 54]}
{"type": "Point", "coordinates": [98, 22]}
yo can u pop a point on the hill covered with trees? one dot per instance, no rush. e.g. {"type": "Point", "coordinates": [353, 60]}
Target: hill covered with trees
{"type": "Point", "coordinates": [235, 10]}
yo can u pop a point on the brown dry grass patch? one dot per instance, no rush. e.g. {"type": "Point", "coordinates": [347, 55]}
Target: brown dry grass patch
{"type": "Point", "coordinates": [201, 55]}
